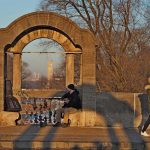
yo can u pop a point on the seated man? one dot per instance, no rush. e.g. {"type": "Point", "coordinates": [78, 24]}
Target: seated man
{"type": "Point", "coordinates": [72, 103]}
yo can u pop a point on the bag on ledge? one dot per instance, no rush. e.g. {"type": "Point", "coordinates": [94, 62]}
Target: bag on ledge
{"type": "Point", "coordinates": [12, 104]}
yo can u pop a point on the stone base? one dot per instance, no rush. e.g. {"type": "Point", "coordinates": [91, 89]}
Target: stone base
{"type": "Point", "coordinates": [82, 118]}
{"type": "Point", "coordinates": [8, 118]}
{"type": "Point", "coordinates": [77, 119]}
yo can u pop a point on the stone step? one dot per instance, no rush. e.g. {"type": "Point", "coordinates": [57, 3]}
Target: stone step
{"type": "Point", "coordinates": [72, 146]}
{"type": "Point", "coordinates": [74, 138]}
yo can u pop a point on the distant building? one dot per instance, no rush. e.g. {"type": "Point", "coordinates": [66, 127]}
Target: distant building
{"type": "Point", "coordinates": [36, 76]}
{"type": "Point", "coordinates": [50, 70]}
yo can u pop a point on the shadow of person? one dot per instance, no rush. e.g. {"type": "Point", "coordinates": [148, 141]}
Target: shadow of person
{"type": "Point", "coordinates": [118, 113]}
{"type": "Point", "coordinates": [98, 145]}
{"type": "Point", "coordinates": [26, 137]}
{"type": "Point", "coordinates": [114, 111]}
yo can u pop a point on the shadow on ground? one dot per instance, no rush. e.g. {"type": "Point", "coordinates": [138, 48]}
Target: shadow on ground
{"type": "Point", "coordinates": [114, 111]}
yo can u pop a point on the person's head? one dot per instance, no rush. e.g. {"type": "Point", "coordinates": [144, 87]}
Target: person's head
{"type": "Point", "coordinates": [147, 89]}
{"type": "Point", "coordinates": [70, 87]}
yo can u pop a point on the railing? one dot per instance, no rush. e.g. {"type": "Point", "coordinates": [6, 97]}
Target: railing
{"type": "Point", "coordinates": [38, 111]}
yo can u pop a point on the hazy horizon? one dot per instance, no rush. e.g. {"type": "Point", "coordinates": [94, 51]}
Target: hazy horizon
{"type": "Point", "coordinates": [38, 62]}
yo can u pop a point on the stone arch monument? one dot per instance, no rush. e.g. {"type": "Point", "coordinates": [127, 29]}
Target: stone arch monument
{"type": "Point", "coordinates": [62, 30]}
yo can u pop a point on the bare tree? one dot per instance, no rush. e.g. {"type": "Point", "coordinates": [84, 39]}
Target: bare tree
{"type": "Point", "coordinates": [26, 72]}
{"type": "Point", "coordinates": [114, 24]}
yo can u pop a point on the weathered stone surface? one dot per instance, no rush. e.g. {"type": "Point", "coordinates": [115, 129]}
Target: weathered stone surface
{"type": "Point", "coordinates": [73, 39]}
{"type": "Point", "coordinates": [8, 118]}
{"type": "Point", "coordinates": [69, 69]}
{"type": "Point", "coordinates": [76, 118]}
{"type": "Point", "coordinates": [118, 109]}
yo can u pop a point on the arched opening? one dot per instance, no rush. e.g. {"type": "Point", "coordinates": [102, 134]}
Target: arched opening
{"type": "Point", "coordinates": [63, 67]}
{"type": "Point", "coordinates": [43, 65]}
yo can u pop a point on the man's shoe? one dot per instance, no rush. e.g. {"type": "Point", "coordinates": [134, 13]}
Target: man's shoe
{"type": "Point", "coordinates": [65, 125]}
{"type": "Point", "coordinates": [58, 124]}
{"type": "Point", "coordinates": [69, 122]}
{"type": "Point", "coordinates": [144, 133]}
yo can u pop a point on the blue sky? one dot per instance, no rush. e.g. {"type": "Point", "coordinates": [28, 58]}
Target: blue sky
{"type": "Point", "coordinates": [12, 9]}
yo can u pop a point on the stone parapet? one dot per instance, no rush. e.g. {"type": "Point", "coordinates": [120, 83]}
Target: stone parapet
{"type": "Point", "coordinates": [118, 109]}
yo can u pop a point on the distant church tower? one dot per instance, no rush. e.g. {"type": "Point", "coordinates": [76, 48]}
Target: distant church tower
{"type": "Point", "coordinates": [50, 70]}
{"type": "Point", "coordinates": [36, 76]}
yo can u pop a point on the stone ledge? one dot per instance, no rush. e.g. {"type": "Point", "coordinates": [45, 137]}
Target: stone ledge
{"type": "Point", "coordinates": [8, 118]}
{"type": "Point", "coordinates": [38, 145]}
{"type": "Point", "coordinates": [76, 118]}
{"type": "Point", "coordinates": [74, 138]}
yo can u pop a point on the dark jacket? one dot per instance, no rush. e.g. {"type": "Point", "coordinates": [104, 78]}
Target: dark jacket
{"type": "Point", "coordinates": [74, 100]}
{"type": "Point", "coordinates": [145, 103]}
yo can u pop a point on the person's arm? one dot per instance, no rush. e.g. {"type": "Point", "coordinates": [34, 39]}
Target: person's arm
{"type": "Point", "coordinates": [74, 101]}
{"type": "Point", "coordinates": [66, 95]}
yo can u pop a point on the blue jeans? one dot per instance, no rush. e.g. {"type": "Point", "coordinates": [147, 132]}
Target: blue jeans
{"type": "Point", "coordinates": [146, 124]}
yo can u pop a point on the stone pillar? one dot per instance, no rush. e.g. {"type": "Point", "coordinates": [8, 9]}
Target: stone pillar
{"type": "Point", "coordinates": [1, 80]}
{"type": "Point", "coordinates": [88, 86]}
{"type": "Point", "coordinates": [69, 69]}
{"type": "Point", "coordinates": [16, 73]}
{"type": "Point", "coordinates": [80, 69]}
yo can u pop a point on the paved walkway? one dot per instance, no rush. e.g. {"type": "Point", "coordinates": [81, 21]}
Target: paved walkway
{"type": "Point", "coordinates": [74, 138]}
